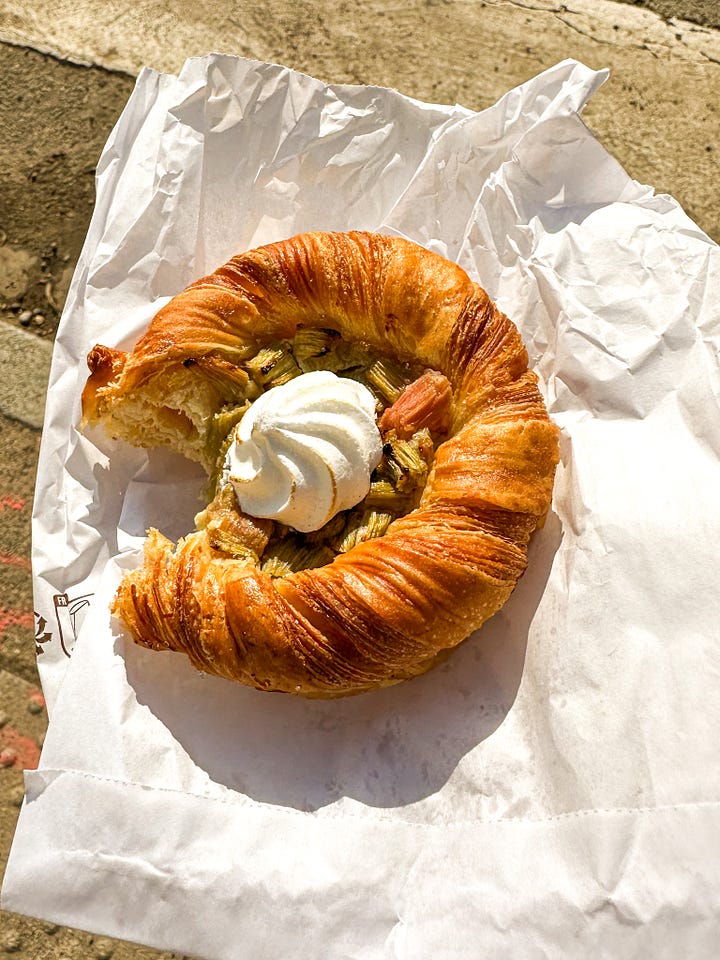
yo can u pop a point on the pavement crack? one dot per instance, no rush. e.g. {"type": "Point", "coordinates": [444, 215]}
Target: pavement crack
{"type": "Point", "coordinates": [561, 8]}
{"type": "Point", "coordinates": [607, 43]}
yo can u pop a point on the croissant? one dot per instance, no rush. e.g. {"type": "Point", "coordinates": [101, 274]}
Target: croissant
{"type": "Point", "coordinates": [416, 568]}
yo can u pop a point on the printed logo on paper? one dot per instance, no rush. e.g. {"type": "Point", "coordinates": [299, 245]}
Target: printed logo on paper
{"type": "Point", "coordinates": [69, 615]}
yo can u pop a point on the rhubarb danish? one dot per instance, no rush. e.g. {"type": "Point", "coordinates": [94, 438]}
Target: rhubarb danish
{"type": "Point", "coordinates": [378, 456]}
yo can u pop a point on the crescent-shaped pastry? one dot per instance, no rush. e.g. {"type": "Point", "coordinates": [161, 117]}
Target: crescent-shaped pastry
{"type": "Point", "coordinates": [381, 592]}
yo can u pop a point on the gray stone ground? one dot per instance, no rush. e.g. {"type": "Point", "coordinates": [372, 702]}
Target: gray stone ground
{"type": "Point", "coordinates": [66, 72]}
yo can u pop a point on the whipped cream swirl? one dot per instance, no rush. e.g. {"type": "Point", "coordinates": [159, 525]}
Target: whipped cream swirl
{"type": "Point", "coordinates": [305, 450]}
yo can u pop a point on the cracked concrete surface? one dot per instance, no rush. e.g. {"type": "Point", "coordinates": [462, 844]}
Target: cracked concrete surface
{"type": "Point", "coordinates": [123, 38]}
{"type": "Point", "coordinates": [658, 114]}
{"type": "Point", "coordinates": [67, 70]}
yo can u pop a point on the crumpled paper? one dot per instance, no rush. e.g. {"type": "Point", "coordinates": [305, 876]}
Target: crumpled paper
{"type": "Point", "coordinates": [553, 788]}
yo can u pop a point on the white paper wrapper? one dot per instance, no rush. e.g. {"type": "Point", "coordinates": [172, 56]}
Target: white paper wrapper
{"type": "Point", "coordinates": [552, 789]}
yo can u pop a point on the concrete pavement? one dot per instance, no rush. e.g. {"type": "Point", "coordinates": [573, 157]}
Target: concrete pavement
{"type": "Point", "coordinates": [22, 397]}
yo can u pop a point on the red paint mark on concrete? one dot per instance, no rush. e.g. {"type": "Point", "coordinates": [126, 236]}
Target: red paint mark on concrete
{"type": "Point", "coordinates": [12, 560]}
{"type": "Point", "coordinates": [17, 750]}
{"type": "Point", "coordinates": [15, 618]}
{"type": "Point", "coordinates": [8, 502]}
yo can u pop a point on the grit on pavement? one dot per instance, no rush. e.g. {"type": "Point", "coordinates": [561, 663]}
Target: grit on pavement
{"type": "Point", "coordinates": [67, 71]}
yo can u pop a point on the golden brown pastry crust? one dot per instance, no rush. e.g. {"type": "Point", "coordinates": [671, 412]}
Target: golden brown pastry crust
{"type": "Point", "coordinates": [390, 607]}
